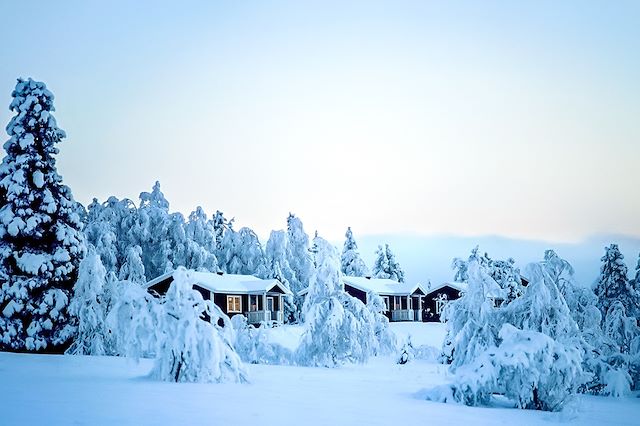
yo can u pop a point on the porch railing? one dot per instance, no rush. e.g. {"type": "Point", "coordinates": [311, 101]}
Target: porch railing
{"type": "Point", "coordinates": [256, 317]}
{"type": "Point", "coordinates": [402, 315]}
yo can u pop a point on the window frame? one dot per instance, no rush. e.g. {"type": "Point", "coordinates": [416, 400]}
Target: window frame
{"type": "Point", "coordinates": [232, 307]}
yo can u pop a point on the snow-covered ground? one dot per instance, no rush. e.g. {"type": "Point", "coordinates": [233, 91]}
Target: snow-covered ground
{"type": "Point", "coordinates": [72, 390]}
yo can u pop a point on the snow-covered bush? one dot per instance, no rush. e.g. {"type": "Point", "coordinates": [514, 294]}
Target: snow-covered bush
{"type": "Point", "coordinates": [527, 367]}
{"type": "Point", "coordinates": [190, 349]}
{"type": "Point", "coordinates": [88, 307]}
{"type": "Point", "coordinates": [41, 244]}
{"type": "Point", "coordinates": [133, 320]}
{"type": "Point", "coordinates": [172, 330]}
{"type": "Point", "coordinates": [253, 346]}
{"type": "Point", "coordinates": [338, 328]}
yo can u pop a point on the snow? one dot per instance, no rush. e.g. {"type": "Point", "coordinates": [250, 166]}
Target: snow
{"type": "Point", "coordinates": [108, 390]}
{"type": "Point", "coordinates": [381, 285]}
{"type": "Point", "coordinates": [228, 283]}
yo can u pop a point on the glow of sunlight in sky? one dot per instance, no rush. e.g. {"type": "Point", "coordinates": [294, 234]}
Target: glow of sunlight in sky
{"type": "Point", "coordinates": [470, 118]}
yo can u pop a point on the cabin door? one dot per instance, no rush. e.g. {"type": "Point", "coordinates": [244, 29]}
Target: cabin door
{"type": "Point", "coordinates": [270, 307]}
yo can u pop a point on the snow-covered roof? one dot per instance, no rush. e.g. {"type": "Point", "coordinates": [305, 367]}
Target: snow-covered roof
{"type": "Point", "coordinates": [495, 292]}
{"type": "Point", "coordinates": [228, 283]}
{"type": "Point", "coordinates": [382, 286]}
{"type": "Point", "coordinates": [458, 286]}
{"type": "Point", "coordinates": [377, 285]}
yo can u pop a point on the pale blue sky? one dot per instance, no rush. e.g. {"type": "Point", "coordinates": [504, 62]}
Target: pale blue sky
{"type": "Point", "coordinates": [519, 119]}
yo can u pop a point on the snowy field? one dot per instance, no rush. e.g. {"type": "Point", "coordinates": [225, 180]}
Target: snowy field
{"type": "Point", "coordinates": [72, 390]}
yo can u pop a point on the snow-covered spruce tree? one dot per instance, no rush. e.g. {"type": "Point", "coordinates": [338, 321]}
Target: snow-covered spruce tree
{"type": "Point", "coordinates": [250, 254]}
{"type": "Point", "coordinates": [459, 267]}
{"type": "Point", "coordinates": [352, 264]}
{"type": "Point", "coordinates": [200, 243]}
{"type": "Point", "coordinates": [386, 266]}
{"type": "Point", "coordinates": [472, 324]}
{"type": "Point", "coordinates": [220, 225]}
{"type": "Point", "coordinates": [620, 328]}
{"type": "Point", "coordinates": [338, 327]}
{"type": "Point", "coordinates": [298, 255]}
{"type": "Point", "coordinates": [189, 348]}
{"type": "Point", "coordinates": [133, 269]}
{"type": "Point", "coordinates": [542, 308]}
{"type": "Point", "coordinates": [276, 252]}
{"type": "Point", "coordinates": [88, 307]}
{"type": "Point", "coordinates": [613, 285]}
{"type": "Point", "coordinates": [507, 275]}
{"type": "Point", "coordinates": [153, 232]}
{"type": "Point", "coordinates": [385, 338]}
{"type": "Point", "coordinates": [41, 244]}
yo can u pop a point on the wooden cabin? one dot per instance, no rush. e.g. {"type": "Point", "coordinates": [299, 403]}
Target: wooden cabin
{"type": "Point", "coordinates": [404, 302]}
{"type": "Point", "coordinates": [257, 299]}
{"type": "Point", "coordinates": [437, 298]}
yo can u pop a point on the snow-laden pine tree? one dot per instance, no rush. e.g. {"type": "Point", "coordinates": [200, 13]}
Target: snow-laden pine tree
{"type": "Point", "coordinates": [133, 269]}
{"type": "Point", "coordinates": [100, 231]}
{"type": "Point", "coordinates": [251, 254]}
{"type": "Point", "coordinates": [41, 244]}
{"type": "Point", "coordinates": [338, 328]}
{"type": "Point", "coordinates": [529, 350]}
{"type": "Point", "coordinates": [459, 267]}
{"type": "Point", "coordinates": [190, 349]}
{"type": "Point", "coordinates": [220, 225]}
{"type": "Point", "coordinates": [298, 256]}
{"type": "Point", "coordinates": [386, 341]}
{"type": "Point", "coordinates": [276, 253]}
{"type": "Point", "coordinates": [200, 243]}
{"type": "Point", "coordinates": [352, 264]}
{"type": "Point", "coordinates": [89, 308]}
{"type": "Point", "coordinates": [613, 284]}
{"type": "Point", "coordinates": [153, 232]}
{"type": "Point", "coordinates": [471, 319]}
{"type": "Point", "coordinates": [620, 328]}
{"type": "Point", "coordinates": [386, 266]}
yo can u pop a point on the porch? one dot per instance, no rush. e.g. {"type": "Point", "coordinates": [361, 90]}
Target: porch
{"type": "Point", "coordinates": [267, 306]}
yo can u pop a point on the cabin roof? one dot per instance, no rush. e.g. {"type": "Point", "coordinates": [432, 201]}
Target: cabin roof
{"type": "Point", "coordinates": [380, 286]}
{"type": "Point", "coordinates": [495, 292]}
{"type": "Point", "coordinates": [228, 283]}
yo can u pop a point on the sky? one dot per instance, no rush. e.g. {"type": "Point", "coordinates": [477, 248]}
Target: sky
{"type": "Point", "coordinates": [512, 119]}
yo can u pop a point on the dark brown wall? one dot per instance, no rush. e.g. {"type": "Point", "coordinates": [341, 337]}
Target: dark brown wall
{"type": "Point", "coordinates": [430, 304]}
{"type": "Point", "coordinates": [358, 294]}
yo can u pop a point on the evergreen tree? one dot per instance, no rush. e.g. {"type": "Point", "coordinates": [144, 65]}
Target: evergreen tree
{"type": "Point", "coordinates": [298, 255]}
{"type": "Point", "coordinates": [338, 328]}
{"type": "Point", "coordinates": [133, 269]}
{"type": "Point", "coordinates": [351, 263]}
{"type": "Point", "coordinates": [613, 285]}
{"type": "Point", "coordinates": [153, 232]}
{"type": "Point", "coordinates": [88, 306]}
{"type": "Point", "coordinates": [386, 266]}
{"type": "Point", "coordinates": [41, 244]}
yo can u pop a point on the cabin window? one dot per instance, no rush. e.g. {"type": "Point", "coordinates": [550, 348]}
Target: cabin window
{"type": "Point", "coordinates": [253, 303]}
{"type": "Point", "coordinates": [234, 304]}
{"type": "Point", "coordinates": [397, 303]}
{"type": "Point", "coordinates": [386, 303]}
